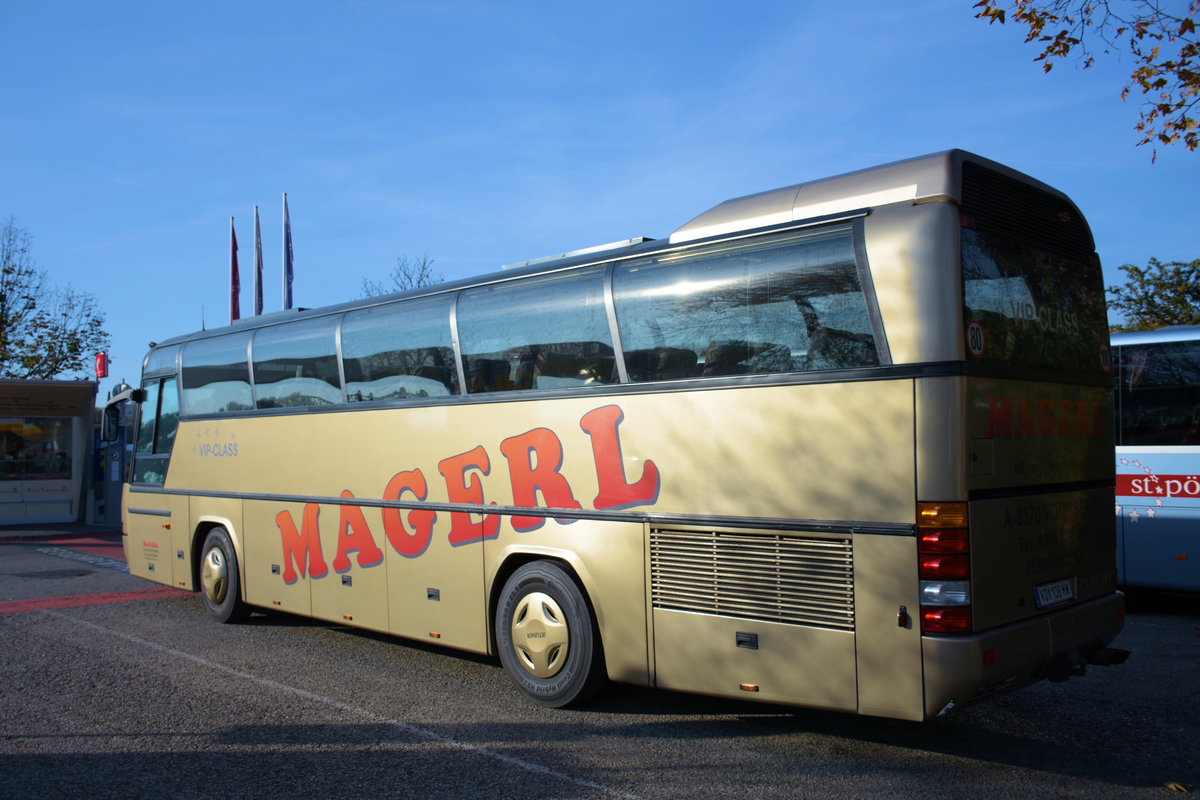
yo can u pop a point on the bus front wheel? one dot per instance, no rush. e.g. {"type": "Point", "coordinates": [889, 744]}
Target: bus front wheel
{"type": "Point", "coordinates": [219, 580]}
{"type": "Point", "coordinates": [546, 636]}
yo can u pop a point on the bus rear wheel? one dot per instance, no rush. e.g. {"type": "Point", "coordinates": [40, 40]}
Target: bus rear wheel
{"type": "Point", "coordinates": [219, 580]}
{"type": "Point", "coordinates": [546, 636]}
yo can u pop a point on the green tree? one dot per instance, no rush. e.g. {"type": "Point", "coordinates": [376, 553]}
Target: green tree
{"type": "Point", "coordinates": [45, 331]}
{"type": "Point", "coordinates": [1162, 42]}
{"type": "Point", "coordinates": [1158, 295]}
{"type": "Point", "coordinates": [406, 275]}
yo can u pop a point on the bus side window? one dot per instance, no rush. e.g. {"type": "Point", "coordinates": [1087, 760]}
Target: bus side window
{"type": "Point", "coordinates": [781, 303]}
{"type": "Point", "coordinates": [548, 332]}
{"type": "Point", "coordinates": [1160, 393]}
{"type": "Point", "coordinates": [399, 351]}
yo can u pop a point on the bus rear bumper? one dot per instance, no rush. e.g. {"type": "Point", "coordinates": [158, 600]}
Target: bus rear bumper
{"type": "Point", "coordinates": [960, 670]}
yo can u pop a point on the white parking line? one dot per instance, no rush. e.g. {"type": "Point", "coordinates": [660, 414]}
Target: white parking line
{"type": "Point", "coordinates": [104, 562]}
{"type": "Point", "coordinates": [415, 730]}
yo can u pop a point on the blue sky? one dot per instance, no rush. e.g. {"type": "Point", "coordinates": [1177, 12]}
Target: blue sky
{"type": "Point", "coordinates": [483, 133]}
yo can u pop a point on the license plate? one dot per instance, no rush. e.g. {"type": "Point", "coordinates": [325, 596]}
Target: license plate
{"type": "Point", "coordinates": [1051, 594]}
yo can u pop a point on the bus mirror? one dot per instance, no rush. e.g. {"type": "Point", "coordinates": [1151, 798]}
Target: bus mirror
{"type": "Point", "coordinates": [138, 396]}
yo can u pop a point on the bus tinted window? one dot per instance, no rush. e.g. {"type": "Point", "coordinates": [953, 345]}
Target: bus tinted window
{"type": "Point", "coordinates": [161, 358]}
{"type": "Point", "coordinates": [296, 365]}
{"type": "Point", "coordinates": [777, 305]}
{"type": "Point", "coordinates": [216, 378]}
{"type": "Point", "coordinates": [1027, 307]}
{"type": "Point", "coordinates": [1159, 394]}
{"type": "Point", "coordinates": [398, 351]}
{"type": "Point", "coordinates": [156, 431]}
{"type": "Point", "coordinates": [545, 333]}
{"type": "Point", "coordinates": [145, 431]}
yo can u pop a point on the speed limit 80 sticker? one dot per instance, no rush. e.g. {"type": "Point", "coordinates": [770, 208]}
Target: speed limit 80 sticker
{"type": "Point", "coordinates": [976, 341]}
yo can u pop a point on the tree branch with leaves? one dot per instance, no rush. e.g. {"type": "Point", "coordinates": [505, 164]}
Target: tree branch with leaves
{"type": "Point", "coordinates": [1163, 43]}
{"type": "Point", "coordinates": [1158, 295]}
{"type": "Point", "coordinates": [45, 331]}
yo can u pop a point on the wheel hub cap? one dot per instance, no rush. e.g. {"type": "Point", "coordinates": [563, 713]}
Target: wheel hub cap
{"type": "Point", "coordinates": [214, 575]}
{"type": "Point", "coordinates": [540, 636]}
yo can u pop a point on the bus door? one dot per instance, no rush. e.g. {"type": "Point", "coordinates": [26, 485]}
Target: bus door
{"type": "Point", "coordinates": [156, 524]}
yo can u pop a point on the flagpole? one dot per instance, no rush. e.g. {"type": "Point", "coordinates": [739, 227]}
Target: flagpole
{"type": "Point", "coordinates": [258, 266]}
{"type": "Point", "coordinates": [287, 256]}
{"type": "Point", "coordinates": [235, 284]}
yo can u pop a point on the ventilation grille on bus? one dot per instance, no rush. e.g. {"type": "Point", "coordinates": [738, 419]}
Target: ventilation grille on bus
{"type": "Point", "coordinates": [1000, 203]}
{"type": "Point", "coordinates": [774, 578]}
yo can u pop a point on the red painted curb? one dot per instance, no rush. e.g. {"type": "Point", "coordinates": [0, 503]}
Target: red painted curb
{"type": "Point", "coordinates": [74, 601]}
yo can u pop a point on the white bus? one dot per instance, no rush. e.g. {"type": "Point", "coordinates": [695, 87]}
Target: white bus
{"type": "Point", "coordinates": [1158, 457]}
{"type": "Point", "coordinates": [846, 444]}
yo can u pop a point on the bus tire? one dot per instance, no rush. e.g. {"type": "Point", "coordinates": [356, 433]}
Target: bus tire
{"type": "Point", "coordinates": [548, 641]}
{"type": "Point", "coordinates": [220, 585]}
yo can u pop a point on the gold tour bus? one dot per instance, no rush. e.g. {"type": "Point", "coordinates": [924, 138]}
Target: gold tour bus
{"type": "Point", "coordinates": [846, 444]}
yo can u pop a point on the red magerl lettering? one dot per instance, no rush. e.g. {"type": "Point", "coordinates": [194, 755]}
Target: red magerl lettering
{"type": "Point", "coordinates": [1045, 417]}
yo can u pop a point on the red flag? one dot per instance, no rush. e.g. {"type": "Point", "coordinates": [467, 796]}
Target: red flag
{"type": "Point", "coordinates": [235, 285]}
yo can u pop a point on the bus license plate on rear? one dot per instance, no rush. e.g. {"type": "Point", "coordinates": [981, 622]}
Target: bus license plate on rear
{"type": "Point", "coordinates": [1051, 594]}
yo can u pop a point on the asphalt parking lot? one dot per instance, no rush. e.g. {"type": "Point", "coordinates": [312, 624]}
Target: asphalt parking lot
{"type": "Point", "coordinates": [115, 687]}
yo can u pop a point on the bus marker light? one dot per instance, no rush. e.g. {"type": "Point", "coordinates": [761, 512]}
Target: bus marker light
{"type": "Point", "coordinates": [989, 658]}
{"type": "Point", "coordinates": [1181, 556]}
{"type": "Point", "coordinates": [749, 687]}
{"type": "Point", "coordinates": [434, 635]}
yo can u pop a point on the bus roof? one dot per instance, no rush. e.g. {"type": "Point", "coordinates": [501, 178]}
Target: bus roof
{"type": "Point", "coordinates": [1171, 333]}
{"type": "Point", "coordinates": [924, 178]}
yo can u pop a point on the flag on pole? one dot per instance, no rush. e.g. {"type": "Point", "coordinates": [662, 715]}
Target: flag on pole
{"type": "Point", "coordinates": [258, 297]}
{"type": "Point", "coordinates": [287, 256]}
{"type": "Point", "coordinates": [235, 285]}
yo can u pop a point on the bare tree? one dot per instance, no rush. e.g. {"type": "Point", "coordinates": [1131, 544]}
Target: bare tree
{"type": "Point", "coordinates": [45, 331]}
{"type": "Point", "coordinates": [406, 275]}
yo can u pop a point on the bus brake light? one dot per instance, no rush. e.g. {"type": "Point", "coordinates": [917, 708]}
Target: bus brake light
{"type": "Point", "coordinates": [953, 619]}
{"type": "Point", "coordinates": [945, 568]}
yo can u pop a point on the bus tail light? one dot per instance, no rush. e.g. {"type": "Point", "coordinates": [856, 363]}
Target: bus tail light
{"type": "Point", "coordinates": [944, 567]}
{"type": "Point", "coordinates": [955, 619]}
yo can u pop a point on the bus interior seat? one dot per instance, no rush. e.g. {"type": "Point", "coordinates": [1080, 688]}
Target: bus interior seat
{"type": "Point", "coordinates": [830, 348]}
{"type": "Point", "coordinates": [661, 364]}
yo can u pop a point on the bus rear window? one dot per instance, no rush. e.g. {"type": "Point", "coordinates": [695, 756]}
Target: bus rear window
{"type": "Point", "coordinates": [1027, 307]}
